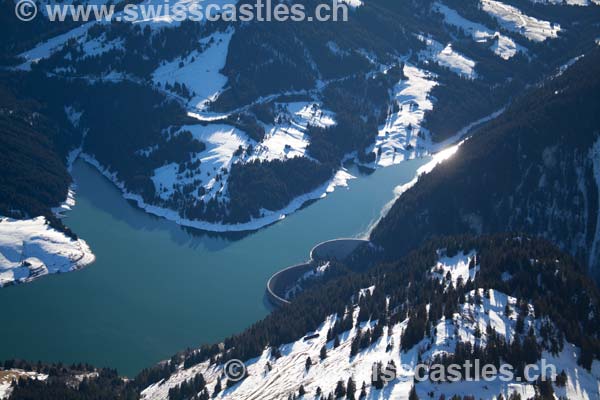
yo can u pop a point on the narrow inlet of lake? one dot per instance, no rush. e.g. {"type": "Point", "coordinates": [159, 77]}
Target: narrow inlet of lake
{"type": "Point", "coordinates": [157, 288]}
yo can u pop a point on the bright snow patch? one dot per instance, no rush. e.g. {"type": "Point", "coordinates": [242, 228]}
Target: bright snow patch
{"type": "Point", "coordinates": [31, 248]}
{"type": "Point", "coordinates": [501, 45]}
{"type": "Point", "coordinates": [270, 378]}
{"type": "Point", "coordinates": [10, 375]}
{"type": "Point", "coordinates": [353, 3]}
{"type": "Point", "coordinates": [47, 48]}
{"type": "Point", "coordinates": [66, 205]}
{"type": "Point", "coordinates": [514, 20]}
{"type": "Point", "coordinates": [459, 267]}
{"type": "Point", "coordinates": [445, 56]}
{"type": "Point", "coordinates": [402, 133]}
{"type": "Point", "coordinates": [287, 138]}
{"type": "Point", "coordinates": [199, 71]}
{"type": "Point", "coordinates": [221, 141]}
{"type": "Point", "coordinates": [568, 2]}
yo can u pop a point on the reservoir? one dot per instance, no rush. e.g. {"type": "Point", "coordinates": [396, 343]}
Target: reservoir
{"type": "Point", "coordinates": [157, 288]}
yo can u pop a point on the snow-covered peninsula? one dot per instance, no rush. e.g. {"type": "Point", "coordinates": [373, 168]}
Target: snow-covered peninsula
{"type": "Point", "coordinates": [31, 248]}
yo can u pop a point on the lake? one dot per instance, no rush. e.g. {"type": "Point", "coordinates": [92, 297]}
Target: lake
{"type": "Point", "coordinates": [157, 288]}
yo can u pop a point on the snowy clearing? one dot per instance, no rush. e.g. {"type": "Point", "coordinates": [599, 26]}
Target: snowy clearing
{"type": "Point", "coordinates": [7, 377]}
{"type": "Point", "coordinates": [222, 142]}
{"type": "Point", "coordinates": [501, 45]}
{"type": "Point", "coordinates": [402, 135]}
{"type": "Point", "coordinates": [31, 248]}
{"type": "Point", "coordinates": [287, 137]}
{"type": "Point", "coordinates": [199, 71]}
{"type": "Point", "coordinates": [353, 3]}
{"type": "Point", "coordinates": [514, 20]}
{"type": "Point", "coordinates": [459, 267]}
{"type": "Point", "coordinates": [270, 378]}
{"type": "Point", "coordinates": [568, 2]}
{"type": "Point", "coordinates": [445, 56]}
{"type": "Point", "coordinates": [47, 48]}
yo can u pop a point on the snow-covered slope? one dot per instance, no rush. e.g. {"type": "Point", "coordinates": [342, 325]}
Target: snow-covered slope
{"type": "Point", "coordinates": [8, 376]}
{"type": "Point", "coordinates": [568, 2]}
{"type": "Point", "coordinates": [402, 134]}
{"type": "Point", "coordinates": [445, 56]}
{"type": "Point", "coordinates": [514, 20]}
{"type": "Point", "coordinates": [169, 178]}
{"type": "Point", "coordinates": [30, 249]}
{"type": "Point", "coordinates": [500, 44]}
{"type": "Point", "coordinates": [486, 316]}
{"type": "Point", "coordinates": [199, 71]}
{"type": "Point", "coordinates": [296, 82]}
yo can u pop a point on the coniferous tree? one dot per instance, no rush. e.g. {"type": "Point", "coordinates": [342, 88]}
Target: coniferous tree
{"type": "Point", "coordinates": [301, 391]}
{"type": "Point", "coordinates": [561, 379]}
{"type": "Point", "coordinates": [336, 342]}
{"type": "Point", "coordinates": [515, 396]}
{"type": "Point", "coordinates": [350, 389]}
{"type": "Point", "coordinates": [323, 353]}
{"type": "Point", "coordinates": [363, 391]}
{"type": "Point", "coordinates": [218, 387]}
{"type": "Point", "coordinates": [355, 346]}
{"type": "Point", "coordinates": [412, 395]}
{"type": "Point", "coordinates": [340, 390]}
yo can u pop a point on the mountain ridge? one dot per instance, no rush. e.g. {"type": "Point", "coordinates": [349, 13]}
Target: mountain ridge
{"type": "Point", "coordinates": [521, 163]}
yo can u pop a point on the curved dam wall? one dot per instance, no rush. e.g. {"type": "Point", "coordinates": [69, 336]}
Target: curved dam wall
{"type": "Point", "coordinates": [280, 281]}
{"type": "Point", "coordinates": [337, 249]}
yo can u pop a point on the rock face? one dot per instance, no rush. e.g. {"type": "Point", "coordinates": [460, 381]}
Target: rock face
{"type": "Point", "coordinates": [535, 169]}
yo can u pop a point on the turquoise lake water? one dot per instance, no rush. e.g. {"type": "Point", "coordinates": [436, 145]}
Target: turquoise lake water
{"type": "Point", "coordinates": [157, 288]}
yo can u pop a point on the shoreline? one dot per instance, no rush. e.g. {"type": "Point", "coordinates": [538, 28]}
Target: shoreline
{"type": "Point", "coordinates": [340, 179]}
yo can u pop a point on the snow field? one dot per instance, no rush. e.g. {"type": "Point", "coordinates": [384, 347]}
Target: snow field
{"type": "Point", "coordinates": [514, 20]}
{"type": "Point", "coordinates": [199, 71]}
{"type": "Point", "coordinates": [7, 377]}
{"type": "Point", "coordinates": [402, 135]}
{"type": "Point", "coordinates": [31, 248]}
{"type": "Point", "coordinates": [445, 56]}
{"type": "Point", "coordinates": [457, 266]}
{"type": "Point", "coordinates": [501, 45]}
{"type": "Point", "coordinates": [275, 379]}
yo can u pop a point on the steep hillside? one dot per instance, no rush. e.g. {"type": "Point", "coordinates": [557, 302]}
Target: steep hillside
{"type": "Point", "coordinates": [34, 190]}
{"type": "Point", "coordinates": [534, 169]}
{"type": "Point", "coordinates": [225, 103]}
{"type": "Point", "coordinates": [34, 151]}
{"type": "Point", "coordinates": [502, 299]}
